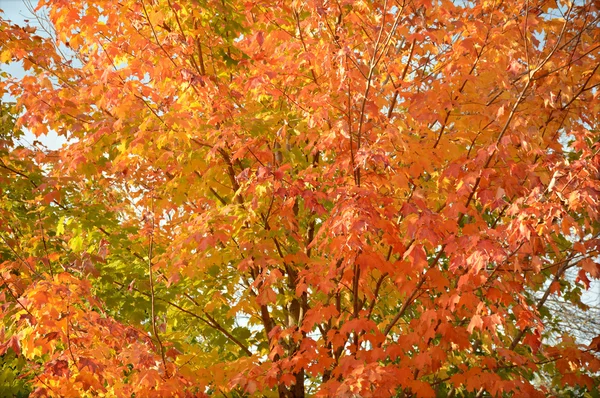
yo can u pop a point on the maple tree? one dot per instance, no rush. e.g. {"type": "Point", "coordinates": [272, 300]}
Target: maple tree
{"type": "Point", "coordinates": [340, 198]}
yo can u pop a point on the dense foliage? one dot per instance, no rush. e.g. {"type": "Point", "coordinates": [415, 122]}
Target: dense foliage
{"type": "Point", "coordinates": [284, 198]}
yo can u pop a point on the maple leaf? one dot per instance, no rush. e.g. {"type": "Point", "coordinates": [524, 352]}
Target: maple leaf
{"type": "Point", "coordinates": [59, 368]}
{"type": "Point", "coordinates": [476, 322]}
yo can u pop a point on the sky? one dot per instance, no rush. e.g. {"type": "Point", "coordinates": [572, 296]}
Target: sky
{"type": "Point", "coordinates": [13, 9]}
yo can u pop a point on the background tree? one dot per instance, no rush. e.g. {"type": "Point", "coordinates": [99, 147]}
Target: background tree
{"type": "Point", "coordinates": [342, 198]}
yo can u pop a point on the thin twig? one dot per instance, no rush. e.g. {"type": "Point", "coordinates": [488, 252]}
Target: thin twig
{"type": "Point", "coordinates": [152, 296]}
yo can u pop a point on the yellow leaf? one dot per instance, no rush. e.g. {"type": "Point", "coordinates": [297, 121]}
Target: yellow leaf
{"type": "Point", "coordinates": [5, 56]}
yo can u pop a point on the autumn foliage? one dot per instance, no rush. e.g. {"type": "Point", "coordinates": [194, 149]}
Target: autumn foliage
{"type": "Point", "coordinates": [288, 198]}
